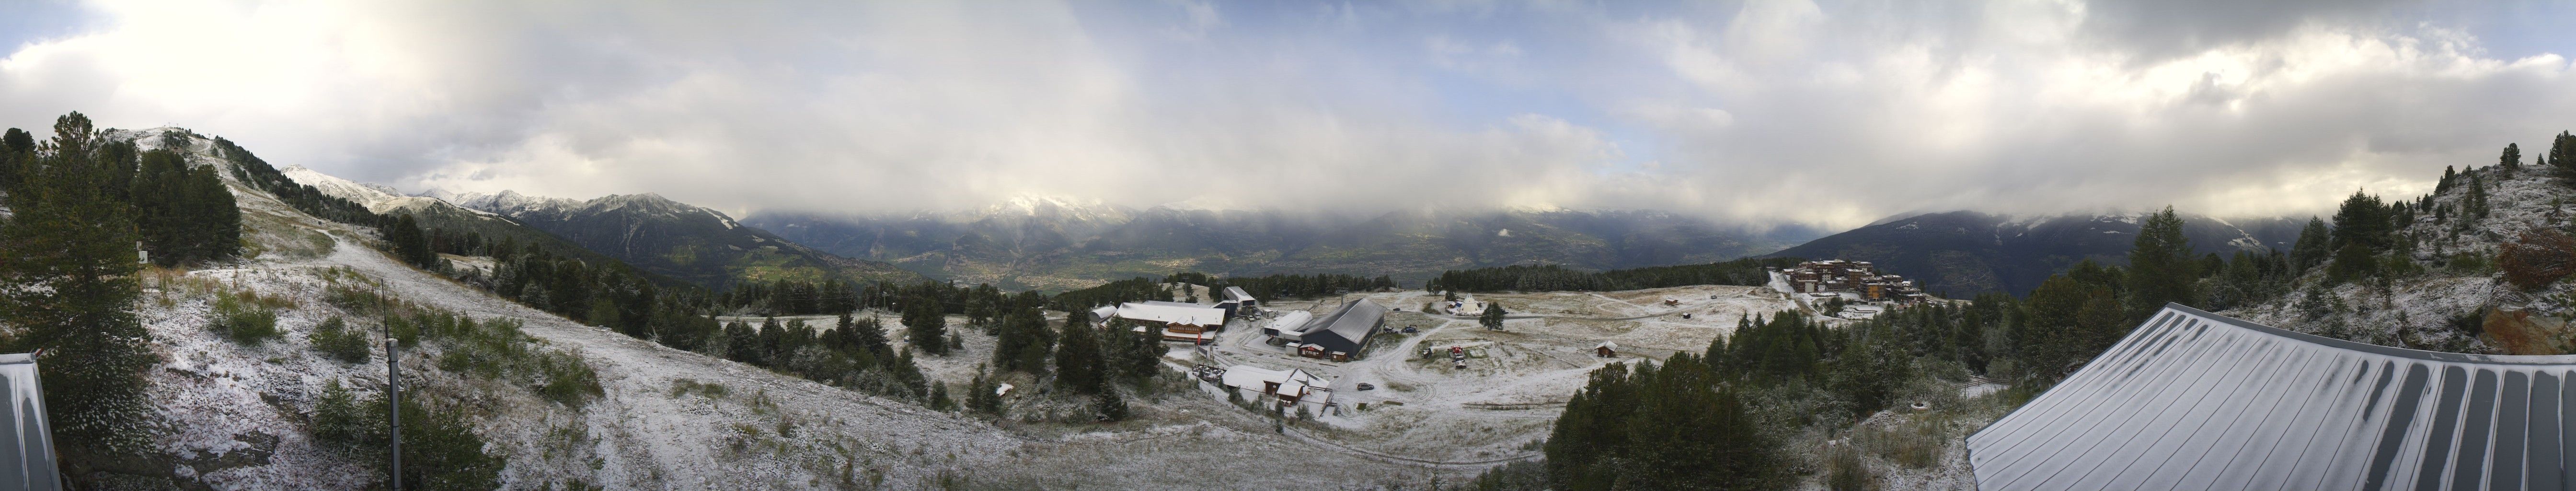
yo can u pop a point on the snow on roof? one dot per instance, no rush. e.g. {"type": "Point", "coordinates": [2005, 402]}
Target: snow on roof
{"type": "Point", "coordinates": [1292, 381]}
{"type": "Point", "coordinates": [1293, 321]}
{"type": "Point", "coordinates": [1172, 313]}
{"type": "Point", "coordinates": [27, 461]}
{"type": "Point", "coordinates": [1614, 346]}
{"type": "Point", "coordinates": [2194, 400]}
{"type": "Point", "coordinates": [1103, 313]}
{"type": "Point", "coordinates": [1237, 293]}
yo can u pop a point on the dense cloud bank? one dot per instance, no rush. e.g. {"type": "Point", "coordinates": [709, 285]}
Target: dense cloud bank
{"type": "Point", "coordinates": [1829, 113]}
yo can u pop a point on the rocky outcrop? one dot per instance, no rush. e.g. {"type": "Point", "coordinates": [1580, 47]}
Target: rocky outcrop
{"type": "Point", "coordinates": [2523, 332]}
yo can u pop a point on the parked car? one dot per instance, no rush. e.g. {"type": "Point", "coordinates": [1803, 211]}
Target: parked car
{"type": "Point", "coordinates": [1366, 386]}
{"type": "Point", "coordinates": [1410, 330]}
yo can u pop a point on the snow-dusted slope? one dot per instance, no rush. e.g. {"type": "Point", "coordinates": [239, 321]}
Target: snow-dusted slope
{"type": "Point", "coordinates": [378, 198]}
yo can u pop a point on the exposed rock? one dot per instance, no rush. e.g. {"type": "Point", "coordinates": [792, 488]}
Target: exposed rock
{"type": "Point", "coordinates": [2522, 332]}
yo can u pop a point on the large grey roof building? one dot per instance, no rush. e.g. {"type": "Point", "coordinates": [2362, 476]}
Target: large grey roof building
{"type": "Point", "coordinates": [2193, 400]}
{"type": "Point", "coordinates": [27, 459]}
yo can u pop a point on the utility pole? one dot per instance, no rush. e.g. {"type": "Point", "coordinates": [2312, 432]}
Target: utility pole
{"type": "Point", "coordinates": [393, 394]}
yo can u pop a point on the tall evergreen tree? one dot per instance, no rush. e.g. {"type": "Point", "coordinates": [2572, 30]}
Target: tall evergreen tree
{"type": "Point", "coordinates": [1493, 316]}
{"type": "Point", "coordinates": [75, 239]}
{"type": "Point", "coordinates": [17, 151]}
{"type": "Point", "coordinates": [1078, 364]}
{"type": "Point", "coordinates": [2562, 151]}
{"type": "Point", "coordinates": [2512, 157]}
{"type": "Point", "coordinates": [925, 324]}
{"type": "Point", "coordinates": [2160, 265]}
{"type": "Point", "coordinates": [1022, 340]}
{"type": "Point", "coordinates": [2313, 246]}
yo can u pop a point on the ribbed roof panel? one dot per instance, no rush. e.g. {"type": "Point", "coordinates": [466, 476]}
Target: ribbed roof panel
{"type": "Point", "coordinates": [2193, 400]}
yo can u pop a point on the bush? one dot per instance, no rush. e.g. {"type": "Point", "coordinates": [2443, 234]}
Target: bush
{"type": "Point", "coordinates": [1845, 471]}
{"type": "Point", "coordinates": [243, 320]}
{"type": "Point", "coordinates": [440, 450]}
{"type": "Point", "coordinates": [2538, 258]}
{"type": "Point", "coordinates": [334, 339]}
{"type": "Point", "coordinates": [1111, 407]}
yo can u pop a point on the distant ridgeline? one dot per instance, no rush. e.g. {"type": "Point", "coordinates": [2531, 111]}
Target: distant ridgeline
{"type": "Point", "coordinates": [1273, 286]}
{"type": "Point", "coordinates": [1746, 272]}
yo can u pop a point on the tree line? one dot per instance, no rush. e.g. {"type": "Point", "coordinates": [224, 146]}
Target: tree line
{"type": "Point", "coordinates": [1746, 272]}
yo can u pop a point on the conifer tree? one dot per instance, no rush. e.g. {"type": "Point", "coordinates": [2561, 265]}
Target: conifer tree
{"type": "Point", "coordinates": [925, 325]}
{"type": "Point", "coordinates": [2562, 151]}
{"type": "Point", "coordinates": [17, 151]}
{"type": "Point", "coordinates": [2312, 246]}
{"type": "Point", "coordinates": [1492, 318]}
{"type": "Point", "coordinates": [1023, 341]}
{"type": "Point", "coordinates": [2160, 266]}
{"type": "Point", "coordinates": [2512, 157]}
{"type": "Point", "coordinates": [1078, 364]}
{"type": "Point", "coordinates": [74, 238]}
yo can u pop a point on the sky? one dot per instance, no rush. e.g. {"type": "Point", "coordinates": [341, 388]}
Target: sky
{"type": "Point", "coordinates": [1829, 114]}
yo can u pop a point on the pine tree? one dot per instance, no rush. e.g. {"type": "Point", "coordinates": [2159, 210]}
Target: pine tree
{"type": "Point", "coordinates": [17, 152]}
{"type": "Point", "coordinates": [2160, 266]}
{"type": "Point", "coordinates": [2512, 157]}
{"type": "Point", "coordinates": [2312, 246]}
{"type": "Point", "coordinates": [411, 244]}
{"type": "Point", "coordinates": [1078, 364]}
{"type": "Point", "coordinates": [1023, 341]}
{"type": "Point", "coordinates": [982, 396]}
{"type": "Point", "coordinates": [1493, 316]}
{"type": "Point", "coordinates": [926, 325]}
{"type": "Point", "coordinates": [2562, 151]}
{"type": "Point", "coordinates": [74, 238]}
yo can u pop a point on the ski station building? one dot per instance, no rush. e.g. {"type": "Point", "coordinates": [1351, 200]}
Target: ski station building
{"type": "Point", "coordinates": [1280, 389]}
{"type": "Point", "coordinates": [1336, 336]}
{"type": "Point", "coordinates": [2194, 400]}
{"type": "Point", "coordinates": [1175, 321]}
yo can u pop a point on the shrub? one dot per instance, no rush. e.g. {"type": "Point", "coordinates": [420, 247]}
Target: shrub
{"type": "Point", "coordinates": [2538, 258]}
{"type": "Point", "coordinates": [243, 320]}
{"type": "Point", "coordinates": [334, 339]}
{"type": "Point", "coordinates": [1110, 406]}
{"type": "Point", "coordinates": [440, 450]}
{"type": "Point", "coordinates": [568, 379]}
{"type": "Point", "coordinates": [1844, 470]}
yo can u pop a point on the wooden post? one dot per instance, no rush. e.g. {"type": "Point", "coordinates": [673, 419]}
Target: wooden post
{"type": "Point", "coordinates": [393, 395]}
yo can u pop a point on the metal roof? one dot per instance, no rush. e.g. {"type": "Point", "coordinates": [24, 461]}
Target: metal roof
{"type": "Point", "coordinates": [1172, 313]}
{"type": "Point", "coordinates": [27, 461]}
{"type": "Point", "coordinates": [1349, 326]}
{"type": "Point", "coordinates": [2194, 400]}
{"type": "Point", "coordinates": [1236, 293]}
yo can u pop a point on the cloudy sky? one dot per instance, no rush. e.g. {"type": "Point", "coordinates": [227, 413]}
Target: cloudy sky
{"type": "Point", "coordinates": [1825, 113]}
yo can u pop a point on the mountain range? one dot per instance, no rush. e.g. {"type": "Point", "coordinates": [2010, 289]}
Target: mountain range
{"type": "Point", "coordinates": [679, 240]}
{"type": "Point", "coordinates": [1961, 253]}
{"type": "Point", "coordinates": [1045, 243]}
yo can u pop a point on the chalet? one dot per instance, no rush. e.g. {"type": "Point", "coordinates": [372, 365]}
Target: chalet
{"type": "Point", "coordinates": [1339, 335]}
{"type": "Point", "coordinates": [1279, 389]}
{"type": "Point", "coordinates": [1237, 302]}
{"type": "Point", "coordinates": [1175, 321]}
{"type": "Point", "coordinates": [1606, 349]}
{"type": "Point", "coordinates": [1857, 277]}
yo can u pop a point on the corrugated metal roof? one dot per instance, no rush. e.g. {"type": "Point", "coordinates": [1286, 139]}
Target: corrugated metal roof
{"type": "Point", "coordinates": [1173, 313]}
{"type": "Point", "coordinates": [2194, 400]}
{"type": "Point", "coordinates": [26, 462]}
{"type": "Point", "coordinates": [1348, 327]}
